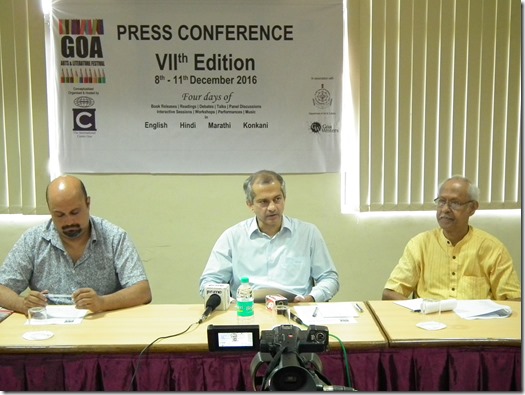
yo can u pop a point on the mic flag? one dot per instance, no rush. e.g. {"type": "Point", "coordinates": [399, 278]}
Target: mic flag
{"type": "Point", "coordinates": [211, 304]}
{"type": "Point", "coordinates": [223, 290]}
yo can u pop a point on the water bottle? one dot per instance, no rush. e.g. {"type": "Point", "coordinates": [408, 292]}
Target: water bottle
{"type": "Point", "coordinates": [245, 302]}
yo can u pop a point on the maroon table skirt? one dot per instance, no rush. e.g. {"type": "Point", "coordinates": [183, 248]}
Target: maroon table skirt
{"type": "Point", "coordinates": [390, 369]}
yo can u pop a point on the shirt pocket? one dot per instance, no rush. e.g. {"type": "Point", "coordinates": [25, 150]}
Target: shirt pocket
{"type": "Point", "coordinates": [296, 270]}
{"type": "Point", "coordinates": [473, 287]}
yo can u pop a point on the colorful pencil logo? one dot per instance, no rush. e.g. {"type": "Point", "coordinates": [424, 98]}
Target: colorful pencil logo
{"type": "Point", "coordinates": [81, 48]}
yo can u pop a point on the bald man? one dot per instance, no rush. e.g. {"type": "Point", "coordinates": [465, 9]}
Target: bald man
{"type": "Point", "coordinates": [454, 261]}
{"type": "Point", "coordinates": [86, 258]}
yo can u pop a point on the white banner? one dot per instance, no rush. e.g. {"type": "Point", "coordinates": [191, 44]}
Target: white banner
{"type": "Point", "coordinates": [198, 86]}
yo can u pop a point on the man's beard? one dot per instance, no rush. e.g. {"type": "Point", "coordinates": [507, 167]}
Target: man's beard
{"type": "Point", "coordinates": [72, 232]}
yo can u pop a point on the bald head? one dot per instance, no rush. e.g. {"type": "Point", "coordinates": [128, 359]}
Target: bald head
{"type": "Point", "coordinates": [65, 186]}
{"type": "Point", "coordinates": [68, 204]}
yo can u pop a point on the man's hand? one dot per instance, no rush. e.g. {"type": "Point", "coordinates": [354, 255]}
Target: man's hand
{"type": "Point", "coordinates": [35, 299]}
{"type": "Point", "coordinates": [388, 294]}
{"type": "Point", "coordinates": [87, 298]}
{"type": "Point", "coordinates": [304, 299]}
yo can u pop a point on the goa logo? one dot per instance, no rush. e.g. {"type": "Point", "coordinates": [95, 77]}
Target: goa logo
{"type": "Point", "coordinates": [84, 119]}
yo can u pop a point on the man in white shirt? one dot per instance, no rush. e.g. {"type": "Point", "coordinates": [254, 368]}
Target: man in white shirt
{"type": "Point", "coordinates": [272, 250]}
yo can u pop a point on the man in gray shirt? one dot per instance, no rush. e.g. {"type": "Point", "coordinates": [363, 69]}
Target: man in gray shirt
{"type": "Point", "coordinates": [74, 254]}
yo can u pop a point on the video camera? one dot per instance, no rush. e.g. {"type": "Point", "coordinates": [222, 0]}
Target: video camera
{"type": "Point", "coordinates": [291, 337]}
{"type": "Point", "coordinates": [292, 364]}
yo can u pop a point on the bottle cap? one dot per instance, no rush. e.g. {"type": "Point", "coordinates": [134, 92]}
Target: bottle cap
{"type": "Point", "coordinates": [245, 280]}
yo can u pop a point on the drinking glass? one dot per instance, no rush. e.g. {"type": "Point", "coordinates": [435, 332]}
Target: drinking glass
{"type": "Point", "coordinates": [430, 306]}
{"type": "Point", "coordinates": [37, 315]}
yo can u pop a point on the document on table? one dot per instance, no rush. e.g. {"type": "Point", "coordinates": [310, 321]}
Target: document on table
{"type": "Point", "coordinates": [412, 304]}
{"type": "Point", "coordinates": [416, 305]}
{"type": "Point", "coordinates": [327, 313]}
{"type": "Point", "coordinates": [63, 315]}
{"type": "Point", "coordinates": [482, 309]}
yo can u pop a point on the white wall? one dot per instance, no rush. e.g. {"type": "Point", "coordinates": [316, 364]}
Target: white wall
{"type": "Point", "coordinates": [174, 221]}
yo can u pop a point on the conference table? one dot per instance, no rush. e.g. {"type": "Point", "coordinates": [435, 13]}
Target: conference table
{"type": "Point", "coordinates": [103, 352]}
{"type": "Point", "coordinates": [161, 348]}
{"type": "Point", "coordinates": [466, 355]}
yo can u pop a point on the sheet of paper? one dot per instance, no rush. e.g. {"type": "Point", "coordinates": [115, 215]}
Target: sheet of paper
{"type": "Point", "coordinates": [412, 304]}
{"type": "Point", "coordinates": [63, 315]}
{"type": "Point", "coordinates": [482, 309]}
{"type": "Point", "coordinates": [416, 305]}
{"type": "Point", "coordinates": [327, 313]}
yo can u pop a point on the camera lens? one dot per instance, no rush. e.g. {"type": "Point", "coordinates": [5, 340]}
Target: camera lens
{"type": "Point", "coordinates": [290, 378]}
{"type": "Point", "coordinates": [320, 337]}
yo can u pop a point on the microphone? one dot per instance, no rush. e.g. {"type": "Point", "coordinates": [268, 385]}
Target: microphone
{"type": "Point", "coordinates": [223, 290]}
{"type": "Point", "coordinates": [211, 304]}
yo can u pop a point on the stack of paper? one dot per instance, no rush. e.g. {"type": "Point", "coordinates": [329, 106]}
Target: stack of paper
{"type": "Point", "coordinates": [476, 309]}
{"type": "Point", "coordinates": [483, 309]}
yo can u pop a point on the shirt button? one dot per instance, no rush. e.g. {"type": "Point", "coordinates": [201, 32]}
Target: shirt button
{"type": "Point", "coordinates": [453, 257]}
{"type": "Point", "coordinates": [453, 273]}
{"type": "Point", "coordinates": [453, 289]}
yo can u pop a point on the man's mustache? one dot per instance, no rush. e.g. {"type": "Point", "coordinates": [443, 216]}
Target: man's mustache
{"type": "Point", "coordinates": [68, 227]}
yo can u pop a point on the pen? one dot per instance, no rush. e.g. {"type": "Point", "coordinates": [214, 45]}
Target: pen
{"type": "Point", "coordinates": [314, 314]}
{"type": "Point", "coordinates": [358, 308]}
{"type": "Point", "coordinates": [58, 296]}
{"type": "Point", "coordinates": [296, 318]}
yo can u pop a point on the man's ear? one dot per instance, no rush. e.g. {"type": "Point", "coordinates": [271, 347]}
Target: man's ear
{"type": "Point", "coordinates": [474, 207]}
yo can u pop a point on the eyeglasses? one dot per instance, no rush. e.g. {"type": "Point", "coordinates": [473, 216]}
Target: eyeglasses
{"type": "Point", "coordinates": [456, 206]}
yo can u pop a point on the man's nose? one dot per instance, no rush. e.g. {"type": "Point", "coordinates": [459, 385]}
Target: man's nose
{"type": "Point", "coordinates": [67, 220]}
{"type": "Point", "coordinates": [446, 207]}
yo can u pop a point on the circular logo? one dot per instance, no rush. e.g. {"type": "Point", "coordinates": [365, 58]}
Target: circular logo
{"type": "Point", "coordinates": [315, 127]}
{"type": "Point", "coordinates": [322, 98]}
{"type": "Point", "coordinates": [83, 101]}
